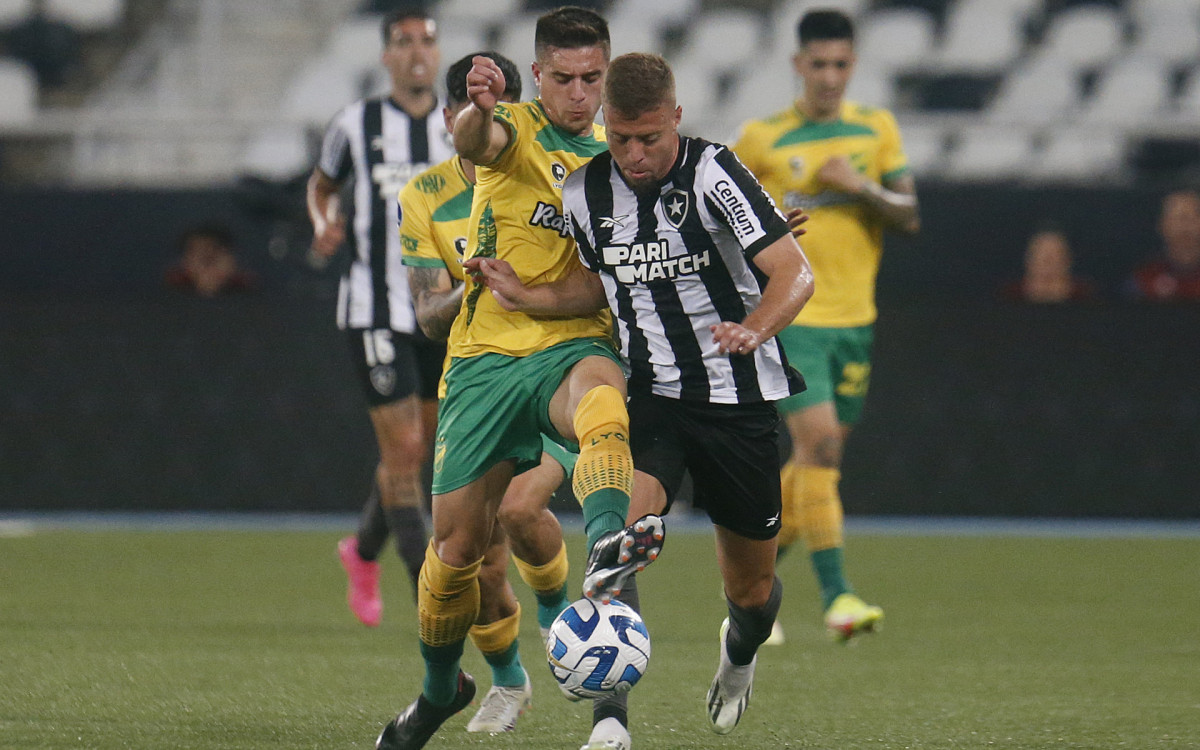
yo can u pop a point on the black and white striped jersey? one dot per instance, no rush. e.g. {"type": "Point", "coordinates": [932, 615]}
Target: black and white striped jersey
{"type": "Point", "coordinates": [677, 262]}
{"type": "Point", "coordinates": [381, 146]}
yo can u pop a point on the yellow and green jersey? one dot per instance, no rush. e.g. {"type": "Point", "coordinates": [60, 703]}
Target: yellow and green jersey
{"type": "Point", "coordinates": [843, 241]}
{"type": "Point", "coordinates": [517, 216]}
{"type": "Point", "coordinates": [435, 211]}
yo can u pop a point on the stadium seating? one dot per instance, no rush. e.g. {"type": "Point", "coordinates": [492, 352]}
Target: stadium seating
{"type": "Point", "coordinates": [1129, 91]}
{"type": "Point", "coordinates": [980, 35]}
{"type": "Point", "coordinates": [13, 12]}
{"type": "Point", "coordinates": [989, 152]}
{"type": "Point", "coordinates": [1035, 72]}
{"type": "Point", "coordinates": [88, 16]}
{"type": "Point", "coordinates": [18, 91]}
{"type": "Point", "coordinates": [1072, 153]}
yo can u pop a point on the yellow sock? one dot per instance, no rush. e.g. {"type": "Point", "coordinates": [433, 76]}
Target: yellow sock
{"type": "Point", "coordinates": [447, 600]}
{"type": "Point", "coordinates": [602, 425]}
{"type": "Point", "coordinates": [603, 479]}
{"type": "Point", "coordinates": [548, 577]}
{"type": "Point", "coordinates": [498, 636]}
{"type": "Point", "coordinates": [820, 507]}
{"type": "Point", "coordinates": [789, 517]}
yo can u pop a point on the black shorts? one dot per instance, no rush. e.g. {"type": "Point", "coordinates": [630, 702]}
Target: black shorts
{"type": "Point", "coordinates": [730, 449]}
{"type": "Point", "coordinates": [392, 365]}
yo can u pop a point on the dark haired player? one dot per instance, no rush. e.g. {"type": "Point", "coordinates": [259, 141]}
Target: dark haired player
{"type": "Point", "coordinates": [513, 377]}
{"type": "Point", "coordinates": [377, 144]}
{"type": "Point", "coordinates": [842, 163]}
{"type": "Point", "coordinates": [436, 208]}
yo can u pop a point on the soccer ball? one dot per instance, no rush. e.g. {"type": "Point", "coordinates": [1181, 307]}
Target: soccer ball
{"type": "Point", "coordinates": [597, 649]}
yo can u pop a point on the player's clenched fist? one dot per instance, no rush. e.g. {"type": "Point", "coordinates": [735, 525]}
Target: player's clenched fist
{"type": "Point", "coordinates": [485, 82]}
{"type": "Point", "coordinates": [733, 338]}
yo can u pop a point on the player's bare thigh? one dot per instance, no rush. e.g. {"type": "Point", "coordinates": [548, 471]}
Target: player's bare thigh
{"type": "Point", "coordinates": [586, 374]}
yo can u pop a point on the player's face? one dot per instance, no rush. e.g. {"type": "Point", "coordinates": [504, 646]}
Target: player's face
{"type": "Point", "coordinates": [645, 147]}
{"type": "Point", "coordinates": [569, 83]}
{"type": "Point", "coordinates": [825, 66]}
{"type": "Point", "coordinates": [411, 54]}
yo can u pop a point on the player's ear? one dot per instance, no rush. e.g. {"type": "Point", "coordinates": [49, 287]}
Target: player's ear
{"type": "Point", "coordinates": [448, 118]}
{"type": "Point", "coordinates": [537, 75]}
{"type": "Point", "coordinates": [678, 114]}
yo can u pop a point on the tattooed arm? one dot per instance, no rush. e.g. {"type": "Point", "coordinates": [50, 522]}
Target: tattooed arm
{"type": "Point", "coordinates": [436, 297]}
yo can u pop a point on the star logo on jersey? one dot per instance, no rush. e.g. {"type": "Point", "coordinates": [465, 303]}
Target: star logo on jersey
{"type": "Point", "coordinates": [675, 206]}
{"type": "Point", "coordinates": [613, 222]}
{"type": "Point", "coordinates": [559, 173]}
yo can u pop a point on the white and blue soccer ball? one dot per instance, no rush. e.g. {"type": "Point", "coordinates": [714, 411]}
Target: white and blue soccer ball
{"type": "Point", "coordinates": [596, 649]}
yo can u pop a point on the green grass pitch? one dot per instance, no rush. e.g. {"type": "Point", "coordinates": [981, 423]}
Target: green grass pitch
{"type": "Point", "coordinates": [241, 639]}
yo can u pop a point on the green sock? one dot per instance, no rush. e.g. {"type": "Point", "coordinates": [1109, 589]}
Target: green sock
{"type": "Point", "coordinates": [441, 672]}
{"type": "Point", "coordinates": [551, 606]}
{"type": "Point", "coordinates": [604, 512]}
{"type": "Point", "coordinates": [506, 667]}
{"type": "Point", "coordinates": [827, 564]}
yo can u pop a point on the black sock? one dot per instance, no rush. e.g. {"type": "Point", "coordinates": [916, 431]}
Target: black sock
{"type": "Point", "coordinates": [617, 706]}
{"type": "Point", "coordinates": [408, 527]}
{"type": "Point", "coordinates": [372, 527]}
{"type": "Point", "coordinates": [748, 628]}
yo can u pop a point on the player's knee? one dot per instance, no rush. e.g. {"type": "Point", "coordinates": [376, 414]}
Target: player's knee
{"type": "Point", "coordinates": [403, 453]}
{"type": "Point", "coordinates": [827, 451]}
{"type": "Point", "coordinates": [519, 511]}
{"type": "Point", "coordinates": [751, 592]}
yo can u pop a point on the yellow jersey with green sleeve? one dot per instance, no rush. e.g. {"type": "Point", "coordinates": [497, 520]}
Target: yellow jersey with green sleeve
{"type": "Point", "coordinates": [843, 241]}
{"type": "Point", "coordinates": [517, 216]}
{"type": "Point", "coordinates": [435, 211]}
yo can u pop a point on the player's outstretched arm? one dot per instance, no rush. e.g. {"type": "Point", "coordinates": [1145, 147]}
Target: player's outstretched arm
{"type": "Point", "coordinates": [579, 292]}
{"type": "Point", "coordinates": [324, 210]}
{"type": "Point", "coordinates": [789, 287]}
{"type": "Point", "coordinates": [477, 137]}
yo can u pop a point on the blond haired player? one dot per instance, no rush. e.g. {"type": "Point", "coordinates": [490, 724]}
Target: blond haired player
{"type": "Point", "coordinates": [842, 163]}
